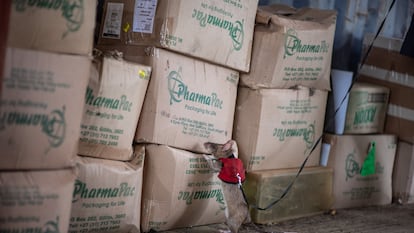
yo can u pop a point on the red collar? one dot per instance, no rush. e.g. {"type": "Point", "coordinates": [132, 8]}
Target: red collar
{"type": "Point", "coordinates": [232, 170]}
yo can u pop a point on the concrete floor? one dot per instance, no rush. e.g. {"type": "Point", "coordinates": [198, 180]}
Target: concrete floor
{"type": "Point", "coordinates": [378, 219]}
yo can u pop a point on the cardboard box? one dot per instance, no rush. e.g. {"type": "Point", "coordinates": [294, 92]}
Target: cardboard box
{"type": "Point", "coordinates": [113, 103]}
{"type": "Point", "coordinates": [180, 190]}
{"type": "Point", "coordinates": [291, 47]}
{"type": "Point", "coordinates": [58, 26]}
{"type": "Point", "coordinates": [41, 108]}
{"type": "Point", "coordinates": [188, 102]}
{"type": "Point", "coordinates": [107, 195]}
{"type": "Point", "coordinates": [277, 128]}
{"type": "Point", "coordinates": [402, 180]}
{"type": "Point", "coordinates": [367, 109]}
{"type": "Point", "coordinates": [310, 194]}
{"type": "Point", "coordinates": [214, 30]}
{"type": "Point", "coordinates": [35, 201]}
{"type": "Point", "coordinates": [346, 157]}
{"type": "Point", "coordinates": [386, 67]}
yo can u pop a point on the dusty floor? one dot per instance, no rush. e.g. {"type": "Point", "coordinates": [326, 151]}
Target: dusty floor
{"type": "Point", "coordinates": [379, 219]}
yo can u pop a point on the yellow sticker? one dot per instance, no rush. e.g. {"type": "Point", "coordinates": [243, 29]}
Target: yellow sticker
{"type": "Point", "coordinates": [142, 73]}
{"type": "Point", "coordinates": [126, 27]}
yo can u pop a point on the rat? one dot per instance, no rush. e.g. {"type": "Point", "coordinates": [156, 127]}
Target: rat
{"type": "Point", "coordinates": [237, 211]}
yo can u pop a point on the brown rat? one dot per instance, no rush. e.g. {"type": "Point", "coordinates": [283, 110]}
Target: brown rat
{"type": "Point", "coordinates": [237, 211]}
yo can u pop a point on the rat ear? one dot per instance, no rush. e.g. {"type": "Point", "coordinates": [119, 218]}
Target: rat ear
{"type": "Point", "coordinates": [228, 145]}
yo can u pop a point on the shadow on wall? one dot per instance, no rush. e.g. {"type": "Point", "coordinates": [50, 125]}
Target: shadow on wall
{"type": "Point", "coordinates": [355, 18]}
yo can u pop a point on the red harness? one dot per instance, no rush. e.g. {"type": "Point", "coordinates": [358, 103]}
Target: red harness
{"type": "Point", "coordinates": [232, 170]}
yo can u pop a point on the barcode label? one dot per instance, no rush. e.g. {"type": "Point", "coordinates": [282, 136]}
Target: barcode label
{"type": "Point", "coordinates": [113, 21]}
{"type": "Point", "coordinates": [144, 13]}
{"type": "Point", "coordinates": [377, 98]}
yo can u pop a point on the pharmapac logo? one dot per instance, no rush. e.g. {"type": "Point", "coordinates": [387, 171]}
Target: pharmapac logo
{"type": "Point", "coordinates": [179, 91]}
{"type": "Point", "coordinates": [236, 29]}
{"type": "Point", "coordinates": [82, 191]}
{"type": "Point", "coordinates": [353, 168]}
{"type": "Point", "coordinates": [294, 45]}
{"type": "Point", "coordinates": [53, 125]}
{"type": "Point", "coordinates": [71, 10]}
{"type": "Point", "coordinates": [308, 134]}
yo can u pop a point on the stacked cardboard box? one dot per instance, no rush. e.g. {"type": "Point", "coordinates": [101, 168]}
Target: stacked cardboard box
{"type": "Point", "coordinates": [385, 66]}
{"type": "Point", "coordinates": [216, 31]}
{"type": "Point", "coordinates": [113, 103]}
{"type": "Point", "coordinates": [361, 111]}
{"type": "Point", "coordinates": [44, 80]}
{"type": "Point", "coordinates": [196, 50]}
{"type": "Point", "coordinates": [180, 190]}
{"type": "Point", "coordinates": [363, 158]}
{"type": "Point", "coordinates": [403, 174]}
{"type": "Point", "coordinates": [280, 110]}
{"type": "Point", "coordinates": [107, 193]}
{"type": "Point", "coordinates": [362, 166]}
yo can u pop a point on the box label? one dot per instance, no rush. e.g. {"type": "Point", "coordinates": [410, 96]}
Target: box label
{"type": "Point", "coordinates": [144, 13]}
{"type": "Point", "coordinates": [366, 111]}
{"type": "Point", "coordinates": [113, 21]}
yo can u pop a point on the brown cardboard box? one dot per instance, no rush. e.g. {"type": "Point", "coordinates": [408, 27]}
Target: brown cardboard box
{"type": "Point", "coordinates": [386, 67]}
{"type": "Point", "coordinates": [367, 109]}
{"type": "Point", "coordinates": [188, 102]}
{"type": "Point", "coordinates": [35, 201]}
{"type": "Point", "coordinates": [291, 47]}
{"type": "Point", "coordinates": [346, 156]}
{"type": "Point", "coordinates": [41, 108]}
{"type": "Point", "coordinates": [310, 194]}
{"type": "Point", "coordinates": [403, 174]}
{"type": "Point", "coordinates": [58, 26]}
{"type": "Point", "coordinates": [113, 103]}
{"type": "Point", "coordinates": [277, 128]}
{"type": "Point", "coordinates": [213, 30]}
{"type": "Point", "coordinates": [180, 190]}
{"type": "Point", "coordinates": [107, 195]}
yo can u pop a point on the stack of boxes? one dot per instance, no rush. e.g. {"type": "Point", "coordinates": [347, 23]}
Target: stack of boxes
{"type": "Point", "coordinates": [44, 79]}
{"type": "Point", "coordinates": [385, 66]}
{"type": "Point", "coordinates": [280, 112]}
{"type": "Point", "coordinates": [360, 145]}
{"type": "Point", "coordinates": [164, 81]}
{"type": "Point", "coordinates": [108, 188]}
{"type": "Point", "coordinates": [196, 50]}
